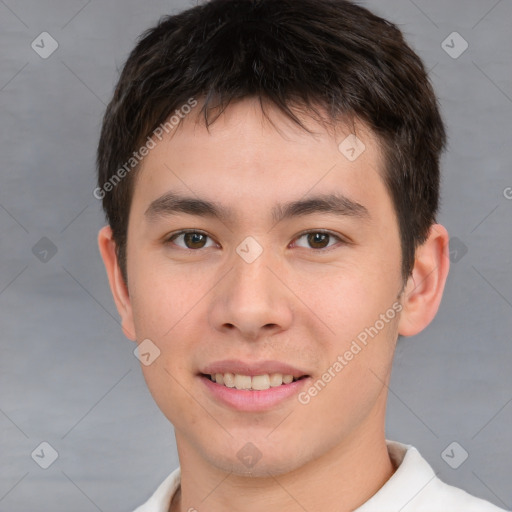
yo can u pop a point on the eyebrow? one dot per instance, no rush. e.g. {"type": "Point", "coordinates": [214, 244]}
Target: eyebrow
{"type": "Point", "coordinates": [172, 203]}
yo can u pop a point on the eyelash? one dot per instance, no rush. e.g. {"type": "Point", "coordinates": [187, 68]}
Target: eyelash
{"type": "Point", "coordinates": [170, 239]}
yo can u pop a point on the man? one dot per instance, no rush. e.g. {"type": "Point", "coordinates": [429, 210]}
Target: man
{"type": "Point", "coordinates": [270, 175]}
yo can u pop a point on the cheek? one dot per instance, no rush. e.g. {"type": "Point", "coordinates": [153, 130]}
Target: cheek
{"type": "Point", "coordinates": [168, 388]}
{"type": "Point", "coordinates": [357, 306]}
{"type": "Point", "coordinates": [347, 300]}
{"type": "Point", "coordinates": [353, 378]}
{"type": "Point", "coordinates": [162, 297]}
{"type": "Point", "coordinates": [163, 309]}
{"type": "Point", "coordinates": [167, 309]}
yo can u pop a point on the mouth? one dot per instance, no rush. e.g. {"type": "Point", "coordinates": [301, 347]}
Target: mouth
{"type": "Point", "coordinates": [252, 387]}
{"type": "Point", "coordinates": [252, 383]}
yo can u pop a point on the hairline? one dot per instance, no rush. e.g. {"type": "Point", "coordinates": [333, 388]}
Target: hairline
{"type": "Point", "coordinates": [328, 122]}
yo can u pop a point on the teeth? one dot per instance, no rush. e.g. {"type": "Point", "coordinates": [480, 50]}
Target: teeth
{"type": "Point", "coordinates": [260, 382]}
{"type": "Point", "coordinates": [276, 379]}
{"type": "Point", "coordinates": [257, 383]}
{"type": "Point", "coordinates": [229, 380]}
{"type": "Point", "coordinates": [242, 381]}
{"type": "Point", "coordinates": [287, 379]}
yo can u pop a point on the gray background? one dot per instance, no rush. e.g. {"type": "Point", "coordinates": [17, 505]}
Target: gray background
{"type": "Point", "coordinates": [68, 376]}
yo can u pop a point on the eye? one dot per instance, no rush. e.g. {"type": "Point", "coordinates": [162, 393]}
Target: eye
{"type": "Point", "coordinates": [318, 239]}
{"type": "Point", "coordinates": [195, 240]}
{"type": "Point", "coordinates": [192, 240]}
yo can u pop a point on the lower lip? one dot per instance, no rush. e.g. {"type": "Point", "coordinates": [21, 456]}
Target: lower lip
{"type": "Point", "coordinates": [253, 401]}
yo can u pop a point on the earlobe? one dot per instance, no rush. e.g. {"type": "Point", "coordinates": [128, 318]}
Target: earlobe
{"type": "Point", "coordinates": [107, 247]}
{"type": "Point", "coordinates": [424, 290]}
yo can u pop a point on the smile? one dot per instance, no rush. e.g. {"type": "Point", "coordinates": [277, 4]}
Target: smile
{"type": "Point", "coordinates": [252, 383]}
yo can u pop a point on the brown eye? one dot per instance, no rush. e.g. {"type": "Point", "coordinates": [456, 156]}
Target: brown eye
{"type": "Point", "coordinates": [192, 240]}
{"type": "Point", "coordinates": [318, 240]}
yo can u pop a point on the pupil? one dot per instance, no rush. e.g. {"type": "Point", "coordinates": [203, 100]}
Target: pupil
{"type": "Point", "coordinates": [193, 239]}
{"type": "Point", "coordinates": [315, 238]}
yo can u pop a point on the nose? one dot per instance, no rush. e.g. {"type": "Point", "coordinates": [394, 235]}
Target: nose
{"type": "Point", "coordinates": [251, 302]}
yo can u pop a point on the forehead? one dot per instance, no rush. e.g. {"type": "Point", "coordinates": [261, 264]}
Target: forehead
{"type": "Point", "coordinates": [246, 157]}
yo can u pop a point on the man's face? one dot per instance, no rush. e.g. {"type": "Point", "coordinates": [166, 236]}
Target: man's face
{"type": "Point", "coordinates": [257, 292]}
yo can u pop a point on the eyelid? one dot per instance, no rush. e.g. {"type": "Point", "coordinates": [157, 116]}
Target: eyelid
{"type": "Point", "coordinates": [185, 231]}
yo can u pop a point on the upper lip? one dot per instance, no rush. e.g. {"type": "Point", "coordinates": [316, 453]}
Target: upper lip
{"type": "Point", "coordinates": [252, 368]}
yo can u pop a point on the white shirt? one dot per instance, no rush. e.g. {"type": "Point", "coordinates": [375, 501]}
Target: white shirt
{"type": "Point", "coordinates": [413, 487]}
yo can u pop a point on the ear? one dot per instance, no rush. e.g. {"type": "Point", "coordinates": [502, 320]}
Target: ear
{"type": "Point", "coordinates": [118, 287]}
{"type": "Point", "coordinates": [424, 289]}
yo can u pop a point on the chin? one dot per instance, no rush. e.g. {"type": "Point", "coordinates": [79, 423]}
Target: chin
{"type": "Point", "coordinates": [265, 463]}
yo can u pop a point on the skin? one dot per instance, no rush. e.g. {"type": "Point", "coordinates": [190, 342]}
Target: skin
{"type": "Point", "coordinates": [296, 303]}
